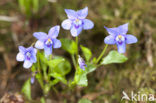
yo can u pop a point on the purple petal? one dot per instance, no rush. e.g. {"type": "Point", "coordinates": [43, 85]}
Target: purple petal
{"type": "Point", "coordinates": [40, 35]}
{"type": "Point", "coordinates": [110, 39]}
{"type": "Point", "coordinates": [20, 57]}
{"type": "Point", "coordinates": [27, 64]}
{"type": "Point", "coordinates": [32, 80]}
{"type": "Point", "coordinates": [81, 63]}
{"type": "Point", "coordinates": [57, 43]}
{"type": "Point", "coordinates": [71, 13]}
{"type": "Point", "coordinates": [30, 49]}
{"type": "Point", "coordinates": [123, 28]}
{"type": "Point", "coordinates": [22, 49]}
{"type": "Point", "coordinates": [47, 50]}
{"type": "Point", "coordinates": [33, 58]}
{"type": "Point", "coordinates": [39, 44]}
{"type": "Point", "coordinates": [54, 31]}
{"type": "Point", "coordinates": [34, 55]}
{"type": "Point", "coordinates": [121, 47]}
{"type": "Point", "coordinates": [112, 31]}
{"type": "Point", "coordinates": [131, 39]}
{"type": "Point", "coordinates": [87, 24]}
{"type": "Point", "coordinates": [35, 51]}
{"type": "Point", "coordinates": [82, 67]}
{"type": "Point", "coordinates": [82, 14]}
{"type": "Point", "coordinates": [66, 24]}
{"type": "Point", "coordinates": [75, 31]}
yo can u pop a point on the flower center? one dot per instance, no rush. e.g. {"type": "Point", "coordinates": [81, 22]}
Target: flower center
{"type": "Point", "coordinates": [77, 22]}
{"type": "Point", "coordinates": [28, 55]}
{"type": "Point", "coordinates": [120, 36]}
{"type": "Point", "coordinates": [120, 39]}
{"type": "Point", "coordinates": [49, 42]}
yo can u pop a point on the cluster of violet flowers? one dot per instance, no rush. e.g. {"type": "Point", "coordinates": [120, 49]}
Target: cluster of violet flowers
{"type": "Point", "coordinates": [76, 22]}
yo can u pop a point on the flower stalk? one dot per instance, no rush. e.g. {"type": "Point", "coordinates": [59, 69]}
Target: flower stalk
{"type": "Point", "coordinates": [74, 62]}
{"type": "Point", "coordinates": [77, 52]}
{"type": "Point", "coordinates": [102, 53]}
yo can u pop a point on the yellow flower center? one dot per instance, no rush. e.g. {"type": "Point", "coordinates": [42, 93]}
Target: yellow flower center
{"type": "Point", "coordinates": [120, 36]}
{"type": "Point", "coordinates": [77, 20]}
{"type": "Point", "coordinates": [49, 40]}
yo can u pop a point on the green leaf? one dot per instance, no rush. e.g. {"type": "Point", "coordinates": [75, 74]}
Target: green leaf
{"type": "Point", "coordinates": [81, 75]}
{"type": "Point", "coordinates": [86, 52]}
{"type": "Point", "coordinates": [21, 5]}
{"type": "Point", "coordinates": [94, 60]}
{"type": "Point", "coordinates": [69, 45]}
{"type": "Point", "coordinates": [28, 7]}
{"type": "Point", "coordinates": [59, 77]}
{"type": "Point", "coordinates": [55, 62]}
{"type": "Point", "coordinates": [42, 100]}
{"type": "Point", "coordinates": [80, 78]}
{"type": "Point", "coordinates": [54, 82]}
{"type": "Point", "coordinates": [90, 68]}
{"type": "Point", "coordinates": [83, 100]}
{"type": "Point", "coordinates": [42, 62]}
{"type": "Point", "coordinates": [33, 68]}
{"type": "Point", "coordinates": [114, 57]}
{"type": "Point", "coordinates": [26, 89]}
{"type": "Point", "coordinates": [35, 5]}
{"type": "Point", "coordinates": [63, 67]}
{"type": "Point", "coordinates": [39, 78]}
{"type": "Point", "coordinates": [42, 57]}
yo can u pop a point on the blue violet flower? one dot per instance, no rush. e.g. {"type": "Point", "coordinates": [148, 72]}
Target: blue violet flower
{"type": "Point", "coordinates": [82, 63]}
{"type": "Point", "coordinates": [76, 21]}
{"type": "Point", "coordinates": [28, 55]}
{"type": "Point", "coordinates": [47, 42]}
{"type": "Point", "coordinates": [32, 80]}
{"type": "Point", "coordinates": [118, 36]}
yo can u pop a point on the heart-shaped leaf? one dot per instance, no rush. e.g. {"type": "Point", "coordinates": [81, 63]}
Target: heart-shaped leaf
{"type": "Point", "coordinates": [69, 45]}
{"type": "Point", "coordinates": [26, 89]}
{"type": "Point", "coordinates": [86, 52]}
{"type": "Point", "coordinates": [114, 57]}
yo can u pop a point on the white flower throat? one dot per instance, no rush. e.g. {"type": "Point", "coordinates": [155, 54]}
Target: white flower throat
{"type": "Point", "coordinates": [120, 38]}
{"type": "Point", "coordinates": [49, 42]}
{"type": "Point", "coordinates": [28, 54]}
{"type": "Point", "coordinates": [77, 22]}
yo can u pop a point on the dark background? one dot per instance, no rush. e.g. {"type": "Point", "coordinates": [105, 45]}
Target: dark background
{"type": "Point", "coordinates": [107, 82]}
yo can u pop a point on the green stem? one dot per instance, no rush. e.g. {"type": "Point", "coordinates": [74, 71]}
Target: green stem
{"type": "Point", "coordinates": [33, 44]}
{"type": "Point", "coordinates": [38, 62]}
{"type": "Point", "coordinates": [39, 71]}
{"type": "Point", "coordinates": [45, 73]}
{"type": "Point", "coordinates": [73, 59]}
{"type": "Point", "coordinates": [101, 55]}
{"type": "Point", "coordinates": [77, 50]}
